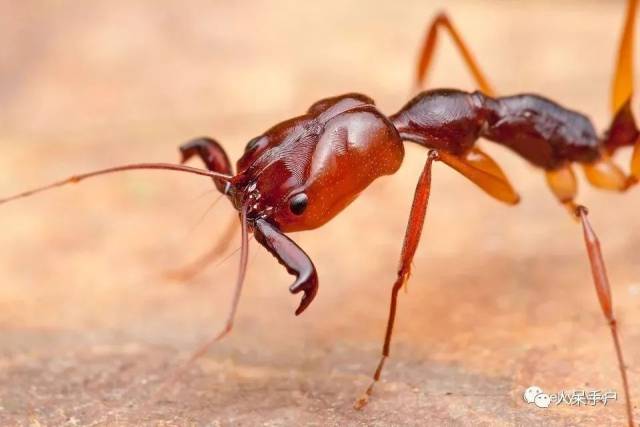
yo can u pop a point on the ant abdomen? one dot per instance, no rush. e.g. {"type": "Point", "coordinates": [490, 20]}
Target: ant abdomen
{"type": "Point", "coordinates": [543, 132]}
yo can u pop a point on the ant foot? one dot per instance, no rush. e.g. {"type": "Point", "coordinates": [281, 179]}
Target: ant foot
{"type": "Point", "coordinates": [361, 402]}
{"type": "Point", "coordinates": [581, 210]}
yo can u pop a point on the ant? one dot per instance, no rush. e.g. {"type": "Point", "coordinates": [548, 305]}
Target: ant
{"type": "Point", "coordinates": [302, 172]}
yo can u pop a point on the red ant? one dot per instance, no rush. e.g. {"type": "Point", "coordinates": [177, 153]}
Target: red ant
{"type": "Point", "coordinates": [302, 172]}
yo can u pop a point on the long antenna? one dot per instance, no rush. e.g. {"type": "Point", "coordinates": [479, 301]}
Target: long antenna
{"type": "Point", "coordinates": [77, 178]}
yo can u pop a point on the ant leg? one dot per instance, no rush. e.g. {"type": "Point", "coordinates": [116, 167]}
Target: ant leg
{"type": "Point", "coordinates": [623, 130]}
{"type": "Point", "coordinates": [287, 253]}
{"type": "Point", "coordinates": [426, 54]}
{"type": "Point", "coordinates": [622, 87]}
{"type": "Point", "coordinates": [228, 325]}
{"type": "Point", "coordinates": [603, 291]}
{"type": "Point", "coordinates": [189, 271]}
{"type": "Point", "coordinates": [635, 162]}
{"type": "Point", "coordinates": [606, 175]}
{"type": "Point", "coordinates": [484, 172]}
{"type": "Point", "coordinates": [215, 159]}
{"type": "Point", "coordinates": [562, 182]}
{"type": "Point", "coordinates": [409, 246]}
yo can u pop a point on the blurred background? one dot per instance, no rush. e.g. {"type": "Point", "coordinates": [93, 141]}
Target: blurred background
{"type": "Point", "coordinates": [500, 298]}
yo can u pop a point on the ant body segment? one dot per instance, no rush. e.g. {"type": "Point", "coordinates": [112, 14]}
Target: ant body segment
{"type": "Point", "coordinates": [302, 172]}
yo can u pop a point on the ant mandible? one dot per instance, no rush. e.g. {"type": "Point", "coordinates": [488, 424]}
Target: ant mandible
{"type": "Point", "coordinates": [302, 172]}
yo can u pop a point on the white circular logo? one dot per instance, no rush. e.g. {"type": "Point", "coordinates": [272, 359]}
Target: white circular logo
{"type": "Point", "coordinates": [531, 393]}
{"type": "Point", "coordinates": [542, 400]}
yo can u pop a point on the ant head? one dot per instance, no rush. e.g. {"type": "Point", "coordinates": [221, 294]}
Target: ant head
{"type": "Point", "coordinates": [302, 172]}
{"type": "Point", "coordinates": [272, 189]}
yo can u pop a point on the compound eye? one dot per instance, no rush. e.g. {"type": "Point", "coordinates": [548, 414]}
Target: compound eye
{"type": "Point", "coordinates": [298, 203]}
{"type": "Point", "coordinates": [251, 145]}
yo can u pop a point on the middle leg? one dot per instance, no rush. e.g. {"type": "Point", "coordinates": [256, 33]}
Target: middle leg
{"type": "Point", "coordinates": [623, 130]}
{"type": "Point", "coordinates": [442, 21]}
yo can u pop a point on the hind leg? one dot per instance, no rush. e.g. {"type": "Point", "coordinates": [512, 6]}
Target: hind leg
{"type": "Point", "coordinates": [606, 175]}
{"type": "Point", "coordinates": [635, 165]}
{"type": "Point", "coordinates": [603, 291]}
{"type": "Point", "coordinates": [623, 130]}
{"type": "Point", "coordinates": [562, 183]}
{"type": "Point", "coordinates": [622, 87]}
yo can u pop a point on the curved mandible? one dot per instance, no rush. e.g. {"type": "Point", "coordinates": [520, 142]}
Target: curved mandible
{"type": "Point", "coordinates": [293, 258]}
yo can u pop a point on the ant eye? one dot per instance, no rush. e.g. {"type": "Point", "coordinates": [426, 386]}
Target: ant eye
{"type": "Point", "coordinates": [251, 145]}
{"type": "Point", "coordinates": [298, 203]}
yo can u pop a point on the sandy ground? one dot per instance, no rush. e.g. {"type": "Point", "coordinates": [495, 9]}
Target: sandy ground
{"type": "Point", "coordinates": [500, 299]}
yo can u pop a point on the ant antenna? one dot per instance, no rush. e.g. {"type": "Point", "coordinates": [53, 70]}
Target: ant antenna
{"type": "Point", "coordinates": [77, 178]}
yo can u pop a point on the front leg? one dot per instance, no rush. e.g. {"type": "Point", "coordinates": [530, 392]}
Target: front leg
{"type": "Point", "coordinates": [411, 240]}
